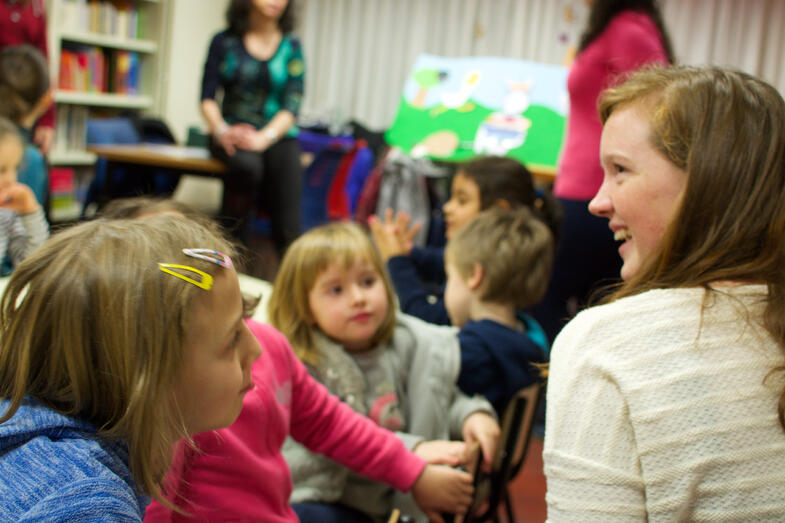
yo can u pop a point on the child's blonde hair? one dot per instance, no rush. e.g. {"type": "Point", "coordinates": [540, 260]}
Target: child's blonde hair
{"type": "Point", "coordinates": [92, 328]}
{"type": "Point", "coordinates": [514, 249]}
{"type": "Point", "coordinates": [289, 311]}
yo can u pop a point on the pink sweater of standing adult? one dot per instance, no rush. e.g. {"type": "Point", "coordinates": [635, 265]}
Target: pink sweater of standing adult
{"type": "Point", "coordinates": [630, 40]}
{"type": "Point", "coordinates": [239, 474]}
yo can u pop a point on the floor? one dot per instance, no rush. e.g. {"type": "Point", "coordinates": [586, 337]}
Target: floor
{"type": "Point", "coordinates": [527, 491]}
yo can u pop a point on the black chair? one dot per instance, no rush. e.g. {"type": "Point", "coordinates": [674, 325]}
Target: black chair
{"type": "Point", "coordinates": [491, 488]}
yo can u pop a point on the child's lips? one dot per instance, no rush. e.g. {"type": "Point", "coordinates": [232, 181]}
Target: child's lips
{"type": "Point", "coordinates": [362, 317]}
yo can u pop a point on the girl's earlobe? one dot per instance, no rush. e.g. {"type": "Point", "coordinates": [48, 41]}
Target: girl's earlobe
{"type": "Point", "coordinates": [502, 203]}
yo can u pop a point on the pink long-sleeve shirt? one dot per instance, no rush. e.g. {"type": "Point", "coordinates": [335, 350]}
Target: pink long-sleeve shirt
{"type": "Point", "coordinates": [629, 41]}
{"type": "Point", "coordinates": [239, 474]}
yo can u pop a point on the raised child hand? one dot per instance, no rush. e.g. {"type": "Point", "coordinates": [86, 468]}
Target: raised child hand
{"type": "Point", "coordinates": [442, 452]}
{"type": "Point", "coordinates": [393, 237]}
{"type": "Point", "coordinates": [19, 198]}
{"type": "Point", "coordinates": [442, 489]}
{"type": "Point", "coordinates": [482, 428]}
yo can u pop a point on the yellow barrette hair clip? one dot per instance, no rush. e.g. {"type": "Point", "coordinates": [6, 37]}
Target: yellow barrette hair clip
{"type": "Point", "coordinates": [205, 282]}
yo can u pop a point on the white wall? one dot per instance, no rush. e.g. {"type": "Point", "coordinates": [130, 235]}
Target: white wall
{"type": "Point", "coordinates": [359, 52]}
{"type": "Point", "coordinates": [192, 25]}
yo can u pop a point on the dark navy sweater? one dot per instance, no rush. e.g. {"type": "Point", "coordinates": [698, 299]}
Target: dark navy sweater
{"type": "Point", "coordinates": [419, 283]}
{"type": "Point", "coordinates": [496, 359]}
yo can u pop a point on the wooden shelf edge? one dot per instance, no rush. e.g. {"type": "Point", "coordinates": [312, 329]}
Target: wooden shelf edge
{"type": "Point", "coordinates": [103, 99]}
{"type": "Point", "coordinates": [102, 40]}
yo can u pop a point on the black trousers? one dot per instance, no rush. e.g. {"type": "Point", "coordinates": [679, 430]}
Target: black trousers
{"type": "Point", "coordinates": [271, 180]}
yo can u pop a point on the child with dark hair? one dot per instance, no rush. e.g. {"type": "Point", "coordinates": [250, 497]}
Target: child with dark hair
{"type": "Point", "coordinates": [479, 184]}
{"type": "Point", "coordinates": [24, 97]}
{"type": "Point", "coordinates": [24, 22]}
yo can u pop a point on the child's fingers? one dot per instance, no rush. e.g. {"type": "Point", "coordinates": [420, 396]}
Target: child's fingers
{"type": "Point", "coordinates": [446, 459]}
{"type": "Point", "coordinates": [434, 516]}
{"type": "Point", "coordinates": [412, 232]}
{"type": "Point", "coordinates": [402, 219]}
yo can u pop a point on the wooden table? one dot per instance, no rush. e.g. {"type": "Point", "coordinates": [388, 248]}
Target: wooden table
{"type": "Point", "coordinates": [195, 160]}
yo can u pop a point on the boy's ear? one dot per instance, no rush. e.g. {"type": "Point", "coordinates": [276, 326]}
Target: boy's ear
{"type": "Point", "coordinates": [504, 204]}
{"type": "Point", "coordinates": [476, 277]}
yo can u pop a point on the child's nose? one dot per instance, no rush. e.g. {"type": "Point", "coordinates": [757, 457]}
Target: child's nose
{"type": "Point", "coordinates": [252, 351]}
{"type": "Point", "coordinates": [358, 294]}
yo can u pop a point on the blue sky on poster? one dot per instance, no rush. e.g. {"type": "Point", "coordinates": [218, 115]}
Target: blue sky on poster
{"type": "Point", "coordinates": [548, 82]}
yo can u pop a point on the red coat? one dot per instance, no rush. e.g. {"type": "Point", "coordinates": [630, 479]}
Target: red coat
{"type": "Point", "coordinates": [24, 22]}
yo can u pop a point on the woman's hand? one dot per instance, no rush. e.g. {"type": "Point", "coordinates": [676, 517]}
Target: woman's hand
{"type": "Point", "coordinates": [393, 237]}
{"type": "Point", "coordinates": [441, 452]}
{"type": "Point", "coordinates": [443, 489]}
{"type": "Point", "coordinates": [482, 428]}
{"type": "Point", "coordinates": [251, 139]}
{"type": "Point", "coordinates": [231, 137]}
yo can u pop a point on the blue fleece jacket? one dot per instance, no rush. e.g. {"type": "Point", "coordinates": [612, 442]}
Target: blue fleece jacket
{"type": "Point", "coordinates": [496, 361]}
{"type": "Point", "coordinates": [57, 468]}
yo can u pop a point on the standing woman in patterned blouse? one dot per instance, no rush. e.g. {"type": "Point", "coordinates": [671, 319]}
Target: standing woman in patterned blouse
{"type": "Point", "coordinates": [251, 93]}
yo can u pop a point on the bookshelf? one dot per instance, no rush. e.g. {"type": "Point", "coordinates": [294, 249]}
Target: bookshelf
{"type": "Point", "coordinates": [105, 58]}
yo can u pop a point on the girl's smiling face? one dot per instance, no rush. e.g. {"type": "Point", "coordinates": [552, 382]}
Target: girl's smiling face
{"type": "Point", "coordinates": [349, 304]}
{"type": "Point", "coordinates": [641, 187]}
{"type": "Point", "coordinates": [463, 205]}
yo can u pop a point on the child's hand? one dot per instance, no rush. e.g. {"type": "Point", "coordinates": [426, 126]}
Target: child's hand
{"type": "Point", "coordinates": [442, 452]}
{"type": "Point", "coordinates": [393, 237]}
{"type": "Point", "coordinates": [482, 428]}
{"type": "Point", "coordinates": [442, 489]}
{"type": "Point", "coordinates": [19, 198]}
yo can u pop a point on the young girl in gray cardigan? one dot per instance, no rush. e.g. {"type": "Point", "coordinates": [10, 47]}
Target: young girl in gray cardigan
{"type": "Point", "coordinates": [333, 300]}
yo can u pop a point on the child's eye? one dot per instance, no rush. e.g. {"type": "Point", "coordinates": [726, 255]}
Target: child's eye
{"type": "Point", "coordinates": [334, 290]}
{"type": "Point", "coordinates": [369, 281]}
{"type": "Point", "coordinates": [233, 344]}
{"type": "Point", "coordinates": [620, 168]}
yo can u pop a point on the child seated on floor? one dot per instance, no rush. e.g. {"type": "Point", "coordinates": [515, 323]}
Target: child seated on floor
{"type": "Point", "coordinates": [23, 227]}
{"type": "Point", "coordinates": [333, 300]}
{"type": "Point", "coordinates": [496, 265]}
{"type": "Point", "coordinates": [481, 183]}
{"type": "Point", "coordinates": [113, 346]}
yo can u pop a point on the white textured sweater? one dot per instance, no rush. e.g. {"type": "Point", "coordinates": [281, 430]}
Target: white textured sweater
{"type": "Point", "coordinates": [658, 413]}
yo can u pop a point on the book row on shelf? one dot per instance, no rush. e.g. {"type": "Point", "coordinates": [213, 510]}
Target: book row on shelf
{"type": "Point", "coordinates": [93, 69]}
{"type": "Point", "coordinates": [116, 18]}
{"type": "Point", "coordinates": [70, 128]}
{"type": "Point", "coordinates": [67, 191]}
